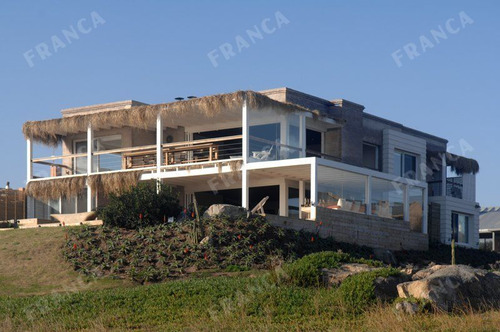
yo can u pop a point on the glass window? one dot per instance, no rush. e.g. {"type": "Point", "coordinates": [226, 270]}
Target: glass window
{"type": "Point", "coordinates": [80, 162]}
{"type": "Point", "coordinates": [293, 202]}
{"type": "Point", "coordinates": [416, 201]}
{"type": "Point", "coordinates": [460, 227]}
{"type": "Point", "coordinates": [370, 156]}
{"type": "Point", "coordinates": [341, 190]}
{"type": "Point", "coordinates": [387, 199]}
{"type": "Point", "coordinates": [101, 163]}
{"type": "Point", "coordinates": [313, 143]}
{"type": "Point", "coordinates": [405, 164]}
{"type": "Point", "coordinates": [263, 141]}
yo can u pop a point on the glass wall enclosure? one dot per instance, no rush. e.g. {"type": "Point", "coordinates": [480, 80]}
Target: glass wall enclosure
{"type": "Point", "coordinates": [274, 135]}
{"type": "Point", "coordinates": [416, 202]}
{"type": "Point", "coordinates": [341, 190]}
{"type": "Point", "coordinates": [387, 199]}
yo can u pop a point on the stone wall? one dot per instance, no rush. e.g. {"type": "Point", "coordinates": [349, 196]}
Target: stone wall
{"type": "Point", "coordinates": [371, 231]}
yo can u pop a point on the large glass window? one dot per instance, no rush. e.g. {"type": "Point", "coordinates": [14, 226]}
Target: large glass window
{"type": "Point", "coordinates": [416, 201]}
{"type": "Point", "coordinates": [274, 135]}
{"type": "Point", "coordinates": [405, 164]}
{"type": "Point", "coordinates": [101, 163]}
{"type": "Point", "coordinates": [387, 199]}
{"type": "Point", "coordinates": [460, 227]}
{"type": "Point", "coordinates": [341, 190]}
{"type": "Point", "coordinates": [293, 202]}
{"type": "Point", "coordinates": [370, 156]}
{"type": "Point", "coordinates": [313, 143]}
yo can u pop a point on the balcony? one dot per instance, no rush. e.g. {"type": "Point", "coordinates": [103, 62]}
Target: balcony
{"type": "Point", "coordinates": [454, 187]}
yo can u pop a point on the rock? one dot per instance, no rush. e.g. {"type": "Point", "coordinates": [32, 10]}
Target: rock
{"type": "Point", "coordinates": [385, 256]}
{"type": "Point", "coordinates": [451, 287]}
{"type": "Point", "coordinates": [386, 289]}
{"type": "Point", "coordinates": [427, 272]}
{"type": "Point", "coordinates": [407, 307]}
{"type": "Point", "coordinates": [231, 211]}
{"type": "Point", "coordinates": [334, 277]}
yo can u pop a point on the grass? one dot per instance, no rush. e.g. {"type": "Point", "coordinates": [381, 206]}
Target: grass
{"type": "Point", "coordinates": [31, 263]}
{"type": "Point", "coordinates": [219, 304]}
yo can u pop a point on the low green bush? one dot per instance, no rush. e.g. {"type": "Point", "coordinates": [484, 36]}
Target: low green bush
{"type": "Point", "coordinates": [306, 271]}
{"type": "Point", "coordinates": [141, 206]}
{"type": "Point", "coordinates": [358, 291]}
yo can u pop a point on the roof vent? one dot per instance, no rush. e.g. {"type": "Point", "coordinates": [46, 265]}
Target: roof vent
{"type": "Point", "coordinates": [179, 98]}
{"type": "Point", "coordinates": [191, 97]}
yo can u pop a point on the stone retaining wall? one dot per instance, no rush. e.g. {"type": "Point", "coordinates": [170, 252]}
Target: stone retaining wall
{"type": "Point", "coordinates": [371, 231]}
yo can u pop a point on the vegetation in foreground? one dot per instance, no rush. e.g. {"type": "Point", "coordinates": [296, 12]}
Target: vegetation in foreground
{"type": "Point", "coordinates": [245, 303]}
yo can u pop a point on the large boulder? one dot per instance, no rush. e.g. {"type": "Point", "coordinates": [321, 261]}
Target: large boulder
{"type": "Point", "coordinates": [386, 289]}
{"type": "Point", "coordinates": [454, 286]}
{"type": "Point", "coordinates": [231, 211]}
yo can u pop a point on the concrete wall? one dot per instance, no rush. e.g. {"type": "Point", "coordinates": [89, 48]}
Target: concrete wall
{"type": "Point", "coordinates": [359, 229]}
{"type": "Point", "coordinates": [469, 187]}
{"type": "Point", "coordinates": [450, 205]}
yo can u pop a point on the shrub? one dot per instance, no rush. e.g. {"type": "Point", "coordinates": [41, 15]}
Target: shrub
{"type": "Point", "coordinates": [140, 206]}
{"type": "Point", "coordinates": [358, 291]}
{"type": "Point", "coordinates": [306, 271]}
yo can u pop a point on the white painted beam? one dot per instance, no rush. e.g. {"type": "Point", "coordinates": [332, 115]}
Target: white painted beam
{"type": "Point", "coordinates": [90, 151]}
{"type": "Point", "coordinates": [314, 187]}
{"type": "Point", "coordinates": [29, 158]}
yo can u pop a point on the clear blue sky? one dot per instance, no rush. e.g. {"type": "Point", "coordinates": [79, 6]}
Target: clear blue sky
{"type": "Point", "coordinates": [153, 51]}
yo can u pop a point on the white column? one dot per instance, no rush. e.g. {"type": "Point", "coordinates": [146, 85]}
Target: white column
{"type": "Point", "coordinates": [90, 151]}
{"type": "Point", "coordinates": [443, 174]}
{"type": "Point", "coordinates": [426, 211]}
{"type": "Point", "coordinates": [314, 187]}
{"type": "Point", "coordinates": [159, 147]}
{"type": "Point", "coordinates": [245, 146]}
{"type": "Point", "coordinates": [406, 203]}
{"type": "Point", "coordinates": [302, 135]}
{"type": "Point", "coordinates": [302, 196]}
{"type": "Point", "coordinates": [29, 157]}
{"type": "Point", "coordinates": [368, 195]}
{"type": "Point", "coordinates": [283, 199]}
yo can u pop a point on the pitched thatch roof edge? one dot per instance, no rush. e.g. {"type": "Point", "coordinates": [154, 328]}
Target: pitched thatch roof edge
{"type": "Point", "coordinates": [459, 164]}
{"type": "Point", "coordinates": [50, 132]}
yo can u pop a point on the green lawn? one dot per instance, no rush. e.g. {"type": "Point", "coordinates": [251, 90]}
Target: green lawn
{"type": "Point", "coordinates": [31, 262]}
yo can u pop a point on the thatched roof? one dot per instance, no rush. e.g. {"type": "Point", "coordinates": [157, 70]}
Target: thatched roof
{"type": "Point", "coordinates": [50, 132]}
{"type": "Point", "coordinates": [53, 189]}
{"type": "Point", "coordinates": [117, 182]}
{"type": "Point", "coordinates": [460, 165]}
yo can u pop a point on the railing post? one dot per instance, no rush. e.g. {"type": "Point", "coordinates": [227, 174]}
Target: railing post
{"type": "Point", "coordinates": [314, 187]}
{"type": "Point", "coordinates": [245, 146]}
{"type": "Point", "coordinates": [425, 218]}
{"type": "Point", "coordinates": [406, 202]}
{"type": "Point", "coordinates": [368, 195]}
{"type": "Point", "coordinates": [90, 151]}
{"type": "Point", "coordinates": [29, 155]}
{"type": "Point", "coordinates": [159, 146]}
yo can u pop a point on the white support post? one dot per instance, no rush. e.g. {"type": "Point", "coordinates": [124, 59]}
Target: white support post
{"type": "Point", "coordinates": [302, 136]}
{"type": "Point", "coordinates": [406, 202]}
{"type": "Point", "coordinates": [425, 218]}
{"type": "Point", "coordinates": [443, 174]}
{"type": "Point", "coordinates": [245, 147]}
{"type": "Point", "coordinates": [314, 187]}
{"type": "Point", "coordinates": [90, 152]}
{"type": "Point", "coordinates": [368, 194]}
{"type": "Point", "coordinates": [159, 147]}
{"type": "Point", "coordinates": [302, 196]}
{"type": "Point", "coordinates": [283, 200]}
{"type": "Point", "coordinates": [29, 156]}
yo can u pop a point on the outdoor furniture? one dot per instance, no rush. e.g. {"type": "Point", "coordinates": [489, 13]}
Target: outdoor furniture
{"type": "Point", "coordinates": [260, 207]}
{"type": "Point", "coordinates": [262, 155]}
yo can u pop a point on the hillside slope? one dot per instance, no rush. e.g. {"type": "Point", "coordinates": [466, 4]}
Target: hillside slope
{"type": "Point", "coordinates": [31, 263]}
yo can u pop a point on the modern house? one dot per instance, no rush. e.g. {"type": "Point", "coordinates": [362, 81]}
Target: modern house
{"type": "Point", "coordinates": [365, 179]}
{"type": "Point", "coordinates": [489, 229]}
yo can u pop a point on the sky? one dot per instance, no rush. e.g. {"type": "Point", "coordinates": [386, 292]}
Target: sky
{"type": "Point", "coordinates": [384, 55]}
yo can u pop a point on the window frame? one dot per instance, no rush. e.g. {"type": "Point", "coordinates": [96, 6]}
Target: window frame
{"type": "Point", "coordinates": [455, 234]}
{"type": "Point", "coordinates": [377, 156]}
{"type": "Point", "coordinates": [402, 165]}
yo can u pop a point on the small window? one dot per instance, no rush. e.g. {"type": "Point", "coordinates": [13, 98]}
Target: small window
{"type": "Point", "coordinates": [460, 227]}
{"type": "Point", "coordinates": [370, 156]}
{"type": "Point", "coordinates": [405, 164]}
